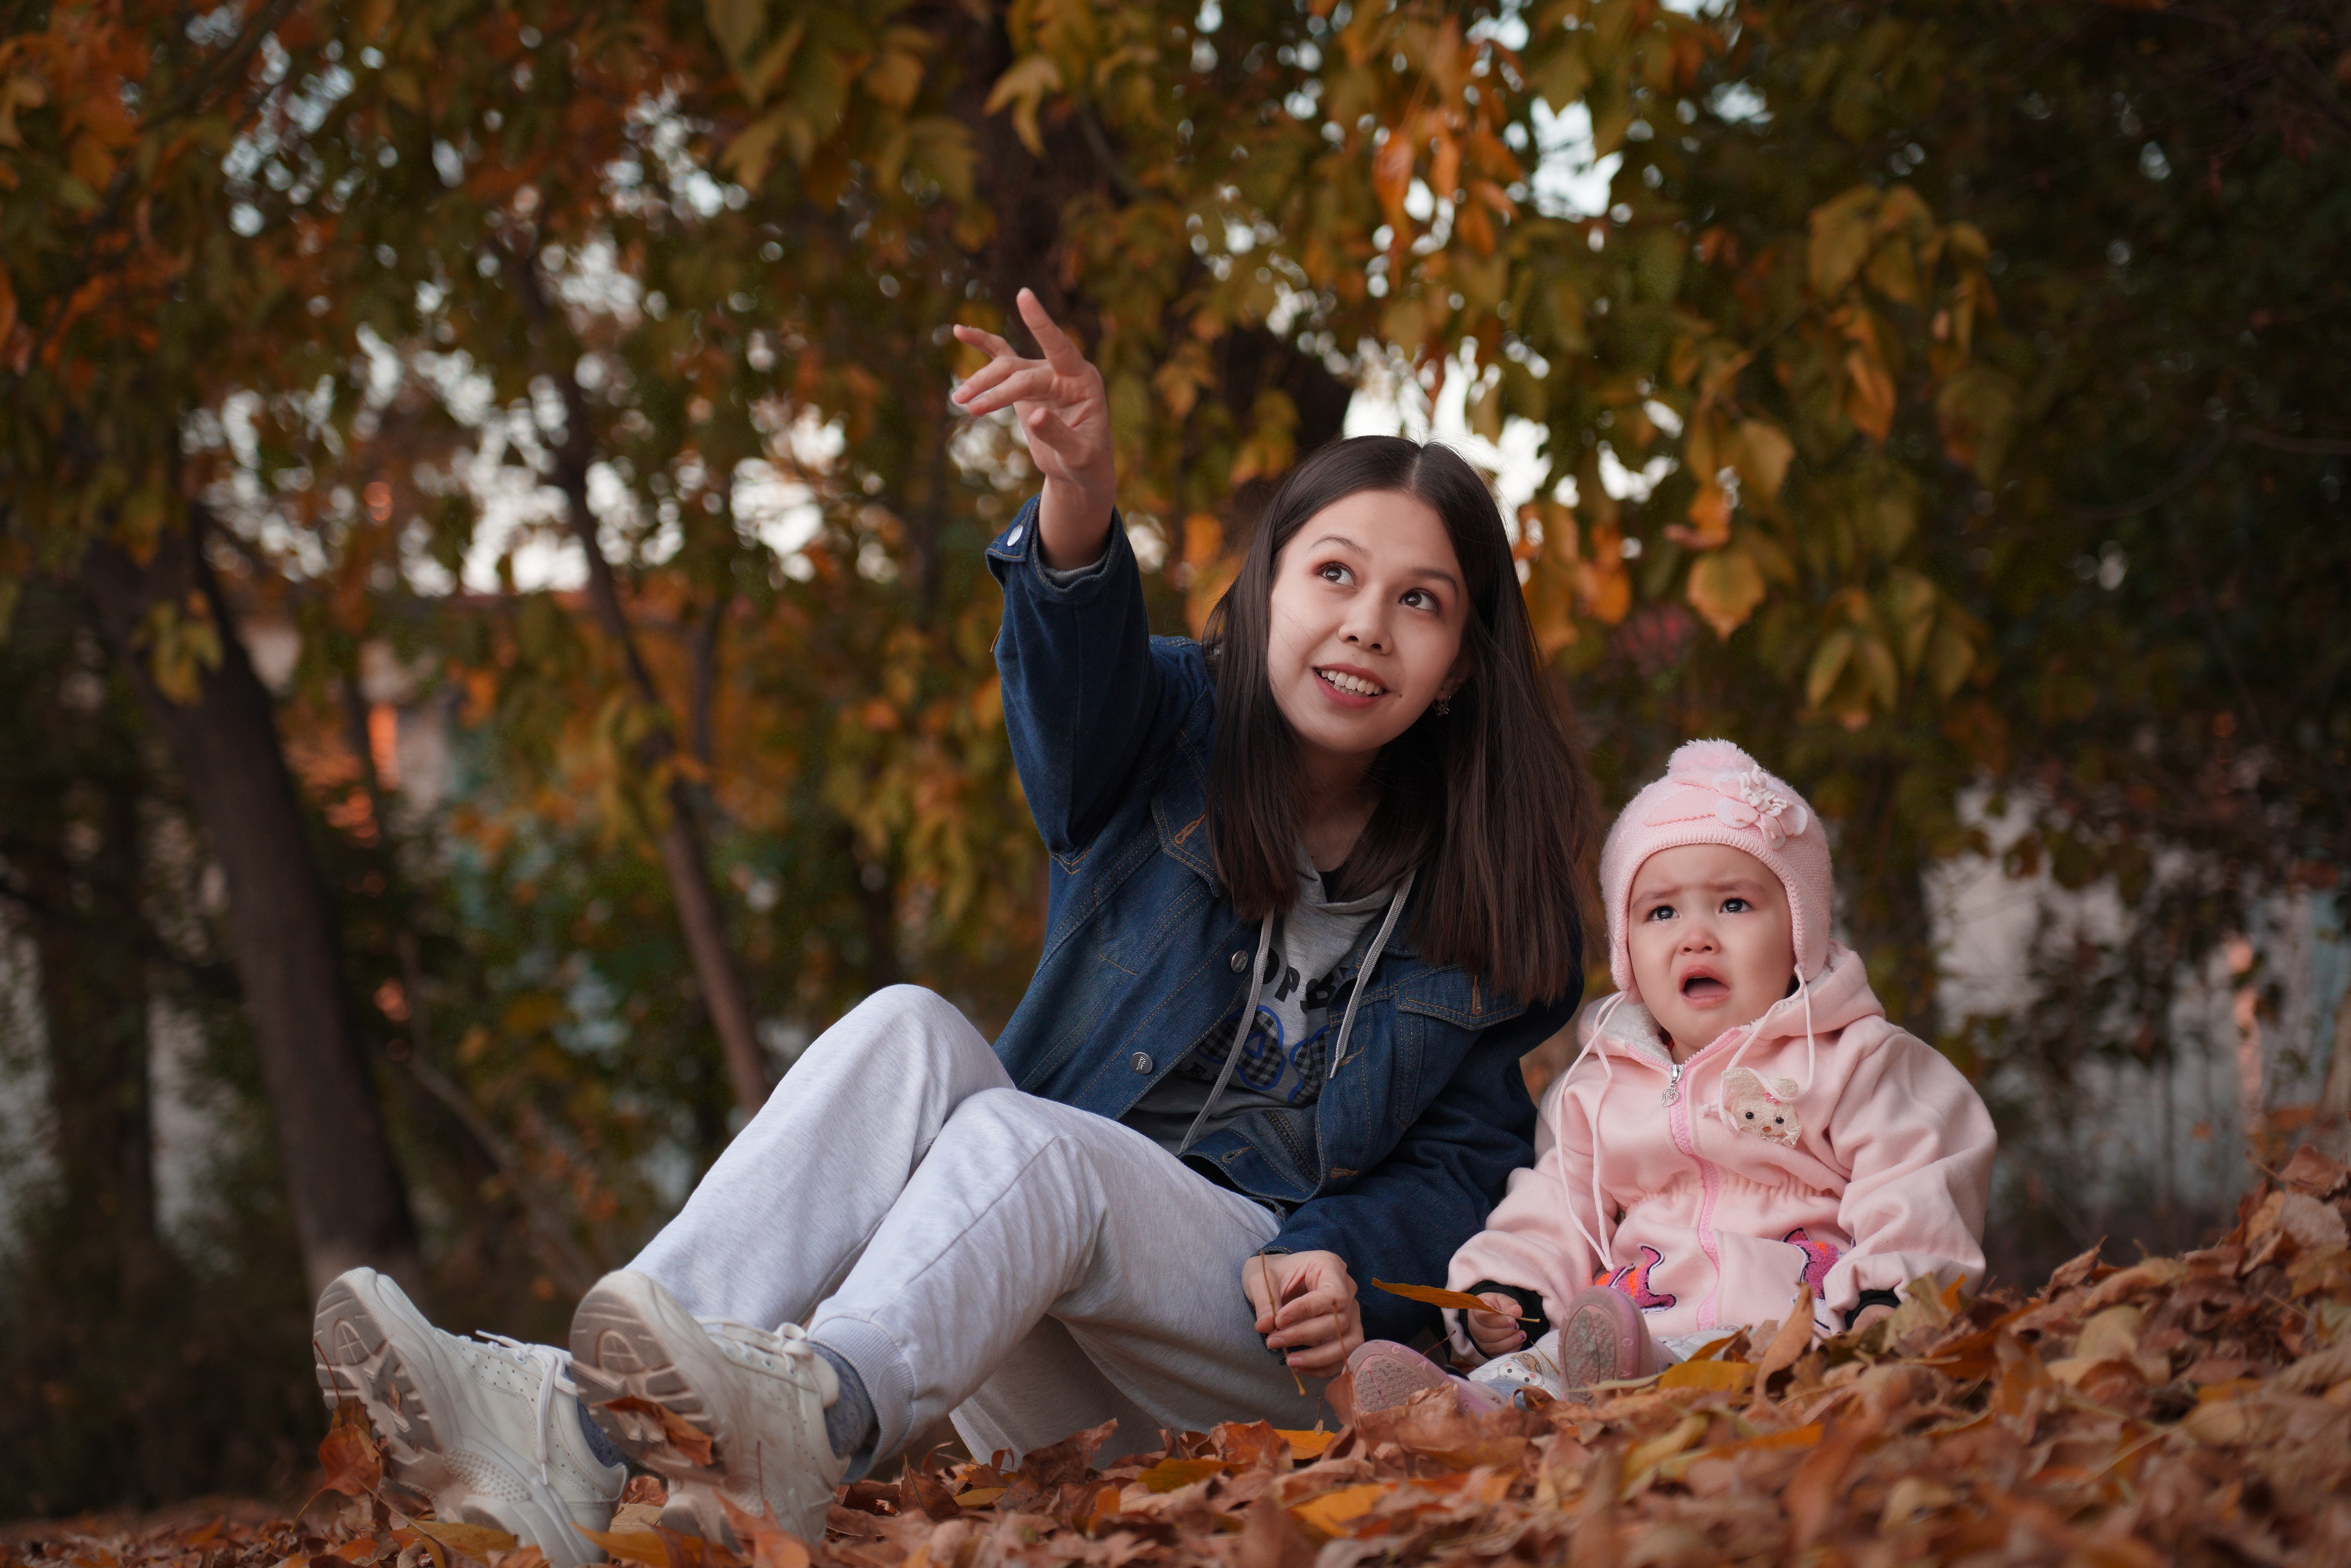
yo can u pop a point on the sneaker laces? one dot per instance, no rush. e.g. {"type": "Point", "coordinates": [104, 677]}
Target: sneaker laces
{"type": "Point", "coordinates": [554, 1377]}
{"type": "Point", "coordinates": [789, 1344]}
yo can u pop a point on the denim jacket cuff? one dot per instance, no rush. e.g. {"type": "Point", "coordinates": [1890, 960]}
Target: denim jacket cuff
{"type": "Point", "coordinates": [1013, 558]}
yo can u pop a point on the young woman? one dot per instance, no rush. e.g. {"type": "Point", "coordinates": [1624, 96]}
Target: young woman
{"type": "Point", "coordinates": [1350, 820]}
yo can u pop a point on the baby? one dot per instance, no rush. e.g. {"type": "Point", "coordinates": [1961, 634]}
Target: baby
{"type": "Point", "coordinates": [1743, 1120]}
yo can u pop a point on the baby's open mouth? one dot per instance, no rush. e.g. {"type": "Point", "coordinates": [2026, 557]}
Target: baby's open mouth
{"type": "Point", "coordinates": [1354, 685]}
{"type": "Point", "coordinates": [1704, 989]}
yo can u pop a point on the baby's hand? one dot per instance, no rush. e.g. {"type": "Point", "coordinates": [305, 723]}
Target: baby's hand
{"type": "Point", "coordinates": [1497, 1333]}
{"type": "Point", "coordinates": [1875, 1311]}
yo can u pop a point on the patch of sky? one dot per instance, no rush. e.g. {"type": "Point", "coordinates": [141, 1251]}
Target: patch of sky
{"type": "Point", "coordinates": [1567, 181]}
{"type": "Point", "coordinates": [595, 1027]}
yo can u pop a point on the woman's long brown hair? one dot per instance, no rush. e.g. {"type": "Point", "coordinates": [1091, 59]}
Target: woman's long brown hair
{"type": "Point", "coordinates": [1489, 802]}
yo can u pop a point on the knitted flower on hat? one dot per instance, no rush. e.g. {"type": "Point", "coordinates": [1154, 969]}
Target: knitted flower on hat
{"type": "Point", "coordinates": [1714, 793]}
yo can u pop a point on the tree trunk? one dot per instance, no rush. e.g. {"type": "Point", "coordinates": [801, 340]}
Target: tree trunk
{"type": "Point", "coordinates": [684, 858]}
{"type": "Point", "coordinates": [2331, 1124]}
{"type": "Point", "coordinates": [680, 839]}
{"type": "Point", "coordinates": [1893, 927]}
{"type": "Point", "coordinates": [350, 1207]}
{"type": "Point", "coordinates": [94, 1003]}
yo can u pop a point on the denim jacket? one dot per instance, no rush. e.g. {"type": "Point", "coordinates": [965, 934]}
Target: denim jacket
{"type": "Point", "coordinates": [1421, 1124]}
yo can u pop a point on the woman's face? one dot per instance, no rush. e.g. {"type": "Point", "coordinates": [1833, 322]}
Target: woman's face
{"type": "Point", "coordinates": [1368, 610]}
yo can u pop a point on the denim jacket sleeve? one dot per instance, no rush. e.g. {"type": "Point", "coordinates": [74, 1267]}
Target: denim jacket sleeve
{"type": "Point", "coordinates": [1089, 702]}
{"type": "Point", "coordinates": [1403, 1219]}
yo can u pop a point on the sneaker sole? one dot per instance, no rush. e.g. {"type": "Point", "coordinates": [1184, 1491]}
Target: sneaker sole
{"type": "Point", "coordinates": [1597, 1344]}
{"type": "Point", "coordinates": [1385, 1382]}
{"type": "Point", "coordinates": [355, 1357]}
{"type": "Point", "coordinates": [618, 1352]}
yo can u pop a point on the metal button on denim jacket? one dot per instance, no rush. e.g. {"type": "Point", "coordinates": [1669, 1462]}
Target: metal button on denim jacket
{"type": "Point", "coordinates": [1420, 1125]}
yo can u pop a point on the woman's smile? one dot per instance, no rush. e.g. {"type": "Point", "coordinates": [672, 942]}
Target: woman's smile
{"type": "Point", "coordinates": [1351, 687]}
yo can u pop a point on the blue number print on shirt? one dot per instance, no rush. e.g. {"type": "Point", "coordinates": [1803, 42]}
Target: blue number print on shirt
{"type": "Point", "coordinates": [1262, 1056]}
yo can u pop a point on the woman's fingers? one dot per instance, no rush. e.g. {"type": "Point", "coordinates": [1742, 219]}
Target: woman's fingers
{"type": "Point", "coordinates": [980, 337]}
{"type": "Point", "coordinates": [996, 372]}
{"type": "Point", "coordinates": [1059, 350]}
{"type": "Point", "coordinates": [1033, 384]}
{"type": "Point", "coordinates": [1048, 430]}
{"type": "Point", "coordinates": [1323, 1360]}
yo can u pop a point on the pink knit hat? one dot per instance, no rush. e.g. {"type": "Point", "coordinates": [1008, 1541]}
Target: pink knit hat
{"type": "Point", "coordinates": [1714, 793]}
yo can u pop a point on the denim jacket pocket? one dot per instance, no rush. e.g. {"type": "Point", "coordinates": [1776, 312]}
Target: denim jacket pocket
{"type": "Point", "coordinates": [1439, 1015]}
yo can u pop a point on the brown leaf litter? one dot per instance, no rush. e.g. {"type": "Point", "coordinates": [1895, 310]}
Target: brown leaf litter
{"type": "Point", "coordinates": [2179, 1410]}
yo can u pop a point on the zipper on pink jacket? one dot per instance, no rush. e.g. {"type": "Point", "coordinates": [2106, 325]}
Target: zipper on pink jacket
{"type": "Point", "coordinates": [1677, 1123]}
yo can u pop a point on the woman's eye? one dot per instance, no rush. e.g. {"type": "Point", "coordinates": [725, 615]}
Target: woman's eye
{"type": "Point", "coordinates": [1331, 571]}
{"type": "Point", "coordinates": [1418, 598]}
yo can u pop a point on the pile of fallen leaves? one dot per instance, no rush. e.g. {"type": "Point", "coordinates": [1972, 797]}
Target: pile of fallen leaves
{"type": "Point", "coordinates": [2184, 1409]}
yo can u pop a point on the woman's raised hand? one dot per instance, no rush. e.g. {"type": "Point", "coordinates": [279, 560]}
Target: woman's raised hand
{"type": "Point", "coordinates": [1064, 414]}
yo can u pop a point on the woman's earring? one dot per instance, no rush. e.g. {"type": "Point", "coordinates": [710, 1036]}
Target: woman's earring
{"type": "Point", "coordinates": [1444, 706]}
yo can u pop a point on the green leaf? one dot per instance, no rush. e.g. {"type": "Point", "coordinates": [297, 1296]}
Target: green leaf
{"type": "Point", "coordinates": [761, 74]}
{"type": "Point", "coordinates": [1841, 231]}
{"type": "Point", "coordinates": [1562, 75]}
{"type": "Point", "coordinates": [1023, 88]}
{"type": "Point", "coordinates": [1950, 657]}
{"type": "Point", "coordinates": [1828, 663]}
{"type": "Point", "coordinates": [1725, 586]}
{"type": "Point", "coordinates": [737, 24]}
{"type": "Point", "coordinates": [1910, 601]}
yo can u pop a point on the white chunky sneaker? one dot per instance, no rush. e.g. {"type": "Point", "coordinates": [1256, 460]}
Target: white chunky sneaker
{"type": "Point", "coordinates": [710, 1404]}
{"type": "Point", "coordinates": [488, 1428]}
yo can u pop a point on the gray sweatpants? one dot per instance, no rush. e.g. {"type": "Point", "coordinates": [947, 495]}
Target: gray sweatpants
{"type": "Point", "coordinates": [1032, 1268]}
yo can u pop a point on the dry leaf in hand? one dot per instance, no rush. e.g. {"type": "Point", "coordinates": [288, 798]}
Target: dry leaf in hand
{"type": "Point", "coordinates": [1431, 1295]}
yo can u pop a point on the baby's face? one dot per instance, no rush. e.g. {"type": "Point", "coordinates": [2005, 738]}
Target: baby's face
{"type": "Point", "coordinates": [1711, 941]}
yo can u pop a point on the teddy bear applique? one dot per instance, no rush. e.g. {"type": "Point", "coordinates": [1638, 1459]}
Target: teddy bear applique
{"type": "Point", "coordinates": [1765, 1107]}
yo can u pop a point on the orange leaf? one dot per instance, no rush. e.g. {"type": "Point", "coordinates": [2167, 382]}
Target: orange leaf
{"type": "Point", "coordinates": [632, 1546]}
{"type": "Point", "coordinates": [1308, 1445]}
{"type": "Point", "coordinates": [1869, 392]}
{"type": "Point", "coordinates": [1391, 174]}
{"type": "Point", "coordinates": [1432, 1296]}
{"type": "Point", "coordinates": [1734, 1375]}
{"type": "Point", "coordinates": [1172, 1475]}
{"type": "Point", "coordinates": [682, 1435]}
{"type": "Point", "coordinates": [1331, 1513]}
{"type": "Point", "coordinates": [478, 1542]}
{"type": "Point", "coordinates": [1794, 1337]}
{"type": "Point", "coordinates": [771, 1545]}
{"type": "Point", "coordinates": [350, 1454]}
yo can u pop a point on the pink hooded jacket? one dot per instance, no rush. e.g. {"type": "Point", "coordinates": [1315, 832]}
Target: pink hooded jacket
{"type": "Point", "coordinates": [1818, 1145]}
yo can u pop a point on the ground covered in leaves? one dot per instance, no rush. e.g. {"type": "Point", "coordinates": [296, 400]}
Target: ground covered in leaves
{"type": "Point", "coordinates": [2193, 1409]}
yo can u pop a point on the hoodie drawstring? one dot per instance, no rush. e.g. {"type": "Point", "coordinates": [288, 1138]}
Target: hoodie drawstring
{"type": "Point", "coordinates": [1559, 1130]}
{"type": "Point", "coordinates": [1811, 1064]}
{"type": "Point", "coordinates": [1363, 974]}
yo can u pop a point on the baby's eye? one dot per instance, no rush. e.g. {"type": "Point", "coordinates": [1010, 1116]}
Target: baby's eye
{"type": "Point", "coordinates": [1662, 912]}
{"type": "Point", "coordinates": [1331, 571]}
{"type": "Point", "coordinates": [1736, 907]}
